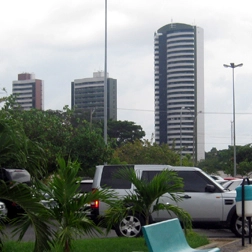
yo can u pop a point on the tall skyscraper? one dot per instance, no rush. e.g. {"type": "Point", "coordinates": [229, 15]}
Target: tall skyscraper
{"type": "Point", "coordinates": [179, 88]}
{"type": "Point", "coordinates": [29, 91]}
{"type": "Point", "coordinates": [88, 95]}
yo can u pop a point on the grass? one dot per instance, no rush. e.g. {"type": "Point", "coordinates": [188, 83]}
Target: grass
{"type": "Point", "coordinates": [117, 244]}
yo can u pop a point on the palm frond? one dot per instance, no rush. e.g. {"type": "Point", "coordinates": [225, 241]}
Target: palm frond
{"type": "Point", "coordinates": [71, 219]}
{"type": "Point", "coordinates": [145, 198]}
{"type": "Point", "coordinates": [36, 214]}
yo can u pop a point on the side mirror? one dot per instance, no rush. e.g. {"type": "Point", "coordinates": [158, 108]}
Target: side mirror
{"type": "Point", "coordinates": [209, 188]}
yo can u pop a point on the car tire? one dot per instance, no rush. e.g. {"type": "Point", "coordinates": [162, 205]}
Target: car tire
{"type": "Point", "coordinates": [130, 226]}
{"type": "Point", "coordinates": [236, 226]}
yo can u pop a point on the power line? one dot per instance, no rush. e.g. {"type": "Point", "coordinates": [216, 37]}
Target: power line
{"type": "Point", "coordinates": [213, 113]}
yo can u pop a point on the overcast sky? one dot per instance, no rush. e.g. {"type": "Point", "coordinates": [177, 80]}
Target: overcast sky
{"type": "Point", "coordinates": [62, 40]}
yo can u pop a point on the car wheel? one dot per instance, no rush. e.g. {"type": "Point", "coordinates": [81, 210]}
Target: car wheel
{"type": "Point", "coordinates": [236, 226]}
{"type": "Point", "coordinates": [130, 226]}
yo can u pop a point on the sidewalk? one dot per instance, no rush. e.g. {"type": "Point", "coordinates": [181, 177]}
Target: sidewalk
{"type": "Point", "coordinates": [229, 245]}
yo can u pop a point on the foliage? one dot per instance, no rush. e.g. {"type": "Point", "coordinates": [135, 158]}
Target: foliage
{"type": "Point", "coordinates": [16, 149]}
{"type": "Point", "coordinates": [145, 199]}
{"type": "Point", "coordinates": [88, 147]}
{"type": "Point", "coordinates": [36, 213]}
{"type": "Point", "coordinates": [54, 131]}
{"type": "Point", "coordinates": [145, 153]}
{"type": "Point", "coordinates": [244, 159]}
{"type": "Point", "coordinates": [124, 132]}
{"type": "Point", "coordinates": [9, 101]}
{"type": "Point", "coordinates": [69, 213]}
{"type": "Point", "coordinates": [222, 160]}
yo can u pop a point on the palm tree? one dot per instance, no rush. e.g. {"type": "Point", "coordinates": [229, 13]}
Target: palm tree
{"type": "Point", "coordinates": [35, 214]}
{"type": "Point", "coordinates": [69, 214]}
{"type": "Point", "coordinates": [145, 199]}
{"type": "Point", "coordinates": [14, 145]}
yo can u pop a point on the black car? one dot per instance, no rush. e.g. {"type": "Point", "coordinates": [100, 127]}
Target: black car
{"type": "Point", "coordinates": [9, 175]}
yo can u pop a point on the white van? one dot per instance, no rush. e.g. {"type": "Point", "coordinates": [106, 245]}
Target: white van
{"type": "Point", "coordinates": [203, 198]}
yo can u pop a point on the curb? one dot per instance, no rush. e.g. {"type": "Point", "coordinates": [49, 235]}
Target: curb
{"type": "Point", "coordinates": [219, 243]}
{"type": "Point", "coordinates": [228, 245]}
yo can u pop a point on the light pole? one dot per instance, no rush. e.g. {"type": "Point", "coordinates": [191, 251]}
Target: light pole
{"type": "Point", "coordinates": [194, 137]}
{"type": "Point", "coordinates": [233, 66]}
{"type": "Point", "coordinates": [182, 108]}
{"type": "Point", "coordinates": [105, 79]}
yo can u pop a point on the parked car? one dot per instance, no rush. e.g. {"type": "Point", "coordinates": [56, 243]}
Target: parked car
{"type": "Point", "coordinates": [18, 175]}
{"type": "Point", "coordinates": [230, 178]}
{"type": "Point", "coordinates": [221, 182]}
{"type": "Point", "coordinates": [85, 187]}
{"type": "Point", "coordinates": [232, 184]}
{"type": "Point", "coordinates": [3, 210]}
{"type": "Point", "coordinates": [216, 177]}
{"type": "Point", "coordinates": [203, 198]}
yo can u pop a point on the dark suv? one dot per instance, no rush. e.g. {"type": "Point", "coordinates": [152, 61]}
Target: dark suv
{"type": "Point", "coordinates": [17, 175]}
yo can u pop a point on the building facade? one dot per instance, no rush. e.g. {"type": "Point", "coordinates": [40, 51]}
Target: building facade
{"type": "Point", "coordinates": [29, 91]}
{"type": "Point", "coordinates": [179, 88]}
{"type": "Point", "coordinates": [87, 94]}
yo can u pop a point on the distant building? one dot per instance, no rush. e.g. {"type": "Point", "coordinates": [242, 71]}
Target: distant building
{"type": "Point", "coordinates": [29, 91]}
{"type": "Point", "coordinates": [179, 88]}
{"type": "Point", "coordinates": [88, 95]}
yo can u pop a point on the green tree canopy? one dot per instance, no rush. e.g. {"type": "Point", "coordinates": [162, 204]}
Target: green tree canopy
{"type": "Point", "coordinates": [61, 133]}
{"type": "Point", "coordinates": [223, 160]}
{"type": "Point", "coordinates": [146, 153]}
{"type": "Point", "coordinates": [16, 149]}
{"type": "Point", "coordinates": [123, 132]}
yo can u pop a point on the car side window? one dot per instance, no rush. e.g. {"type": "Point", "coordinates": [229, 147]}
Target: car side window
{"type": "Point", "coordinates": [149, 175]}
{"type": "Point", "coordinates": [85, 188]}
{"type": "Point", "coordinates": [109, 179]}
{"type": "Point", "coordinates": [194, 181]}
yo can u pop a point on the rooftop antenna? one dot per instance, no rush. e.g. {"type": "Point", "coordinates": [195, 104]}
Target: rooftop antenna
{"type": "Point", "coordinates": [172, 23]}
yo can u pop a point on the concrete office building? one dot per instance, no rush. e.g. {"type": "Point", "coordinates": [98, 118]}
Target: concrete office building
{"type": "Point", "coordinates": [29, 91]}
{"type": "Point", "coordinates": [87, 94]}
{"type": "Point", "coordinates": [179, 88]}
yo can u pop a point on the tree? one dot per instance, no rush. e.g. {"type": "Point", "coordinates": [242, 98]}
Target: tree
{"type": "Point", "coordinates": [145, 153]}
{"type": "Point", "coordinates": [56, 134]}
{"type": "Point", "coordinates": [69, 218]}
{"type": "Point", "coordinates": [124, 132]}
{"type": "Point", "coordinates": [88, 147]}
{"type": "Point", "coordinates": [144, 199]}
{"type": "Point", "coordinates": [35, 214]}
{"type": "Point", "coordinates": [16, 149]}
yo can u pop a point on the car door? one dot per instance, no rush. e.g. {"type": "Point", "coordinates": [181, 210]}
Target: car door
{"type": "Point", "coordinates": [201, 205]}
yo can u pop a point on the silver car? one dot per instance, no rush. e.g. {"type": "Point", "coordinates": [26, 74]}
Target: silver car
{"type": "Point", "coordinates": [203, 198]}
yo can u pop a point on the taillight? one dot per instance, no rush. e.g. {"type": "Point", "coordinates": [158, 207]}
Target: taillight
{"type": "Point", "coordinates": [95, 203]}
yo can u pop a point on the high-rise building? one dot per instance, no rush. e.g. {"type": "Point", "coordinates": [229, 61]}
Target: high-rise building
{"type": "Point", "coordinates": [29, 91]}
{"type": "Point", "coordinates": [179, 88]}
{"type": "Point", "coordinates": [88, 95]}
